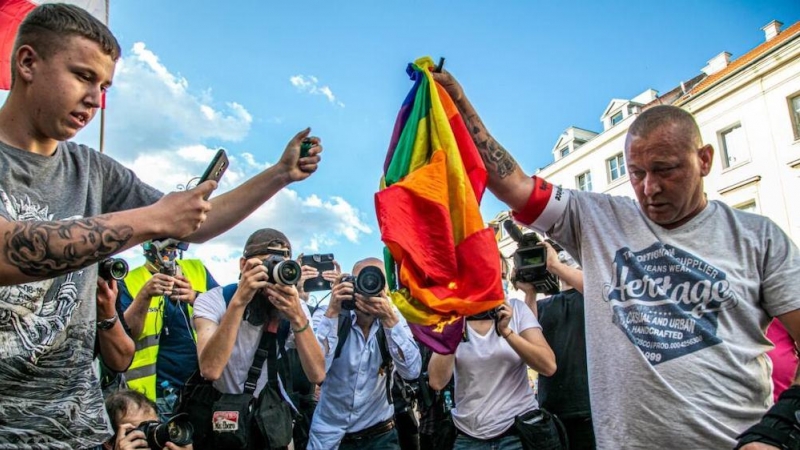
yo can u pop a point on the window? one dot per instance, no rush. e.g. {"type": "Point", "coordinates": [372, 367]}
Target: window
{"type": "Point", "coordinates": [584, 181]}
{"type": "Point", "coordinates": [616, 167]}
{"type": "Point", "coordinates": [734, 146]}
{"type": "Point", "coordinates": [748, 207]}
{"type": "Point", "coordinates": [616, 118]}
{"type": "Point", "coordinates": [564, 151]}
{"type": "Point", "coordinates": [794, 109]}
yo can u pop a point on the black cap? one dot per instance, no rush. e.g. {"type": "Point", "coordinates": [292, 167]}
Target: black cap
{"type": "Point", "coordinates": [261, 240]}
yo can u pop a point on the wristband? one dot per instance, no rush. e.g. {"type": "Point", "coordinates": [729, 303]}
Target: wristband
{"type": "Point", "coordinates": [107, 324]}
{"type": "Point", "coordinates": [506, 336]}
{"type": "Point", "coordinates": [300, 330]}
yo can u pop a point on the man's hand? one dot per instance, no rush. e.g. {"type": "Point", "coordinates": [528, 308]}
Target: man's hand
{"type": "Point", "coordinates": [106, 298]}
{"type": "Point", "coordinates": [287, 301]}
{"type": "Point", "coordinates": [296, 168]}
{"type": "Point", "coordinates": [341, 291]}
{"type": "Point", "coordinates": [254, 277]}
{"type": "Point", "coordinates": [450, 84]}
{"type": "Point", "coordinates": [552, 255]}
{"type": "Point", "coordinates": [504, 314]}
{"type": "Point", "coordinates": [179, 214]}
{"type": "Point", "coordinates": [182, 290]}
{"type": "Point", "coordinates": [379, 307]}
{"type": "Point", "coordinates": [129, 438]}
{"type": "Point", "coordinates": [158, 284]}
{"type": "Point", "coordinates": [332, 275]}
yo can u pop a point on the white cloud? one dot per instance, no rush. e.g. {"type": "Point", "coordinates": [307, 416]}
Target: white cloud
{"type": "Point", "coordinates": [311, 85]}
{"type": "Point", "coordinates": [159, 127]}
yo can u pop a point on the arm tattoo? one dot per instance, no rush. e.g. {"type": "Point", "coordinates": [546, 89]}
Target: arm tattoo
{"type": "Point", "coordinates": [498, 161]}
{"type": "Point", "coordinates": [54, 248]}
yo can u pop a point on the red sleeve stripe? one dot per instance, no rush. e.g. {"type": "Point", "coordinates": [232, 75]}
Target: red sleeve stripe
{"type": "Point", "coordinates": [545, 206]}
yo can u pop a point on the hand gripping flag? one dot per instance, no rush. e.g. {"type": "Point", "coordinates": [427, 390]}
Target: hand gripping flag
{"type": "Point", "coordinates": [442, 260]}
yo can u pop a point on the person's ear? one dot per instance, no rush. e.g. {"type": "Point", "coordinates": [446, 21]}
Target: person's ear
{"type": "Point", "coordinates": [25, 60]}
{"type": "Point", "coordinates": [706, 155]}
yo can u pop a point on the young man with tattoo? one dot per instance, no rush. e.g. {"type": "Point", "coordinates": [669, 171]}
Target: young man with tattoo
{"type": "Point", "coordinates": [679, 290]}
{"type": "Point", "coordinates": [63, 208]}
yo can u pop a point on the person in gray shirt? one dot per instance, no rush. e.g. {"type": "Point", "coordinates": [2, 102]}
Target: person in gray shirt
{"type": "Point", "coordinates": [679, 290]}
{"type": "Point", "coordinates": [63, 208]}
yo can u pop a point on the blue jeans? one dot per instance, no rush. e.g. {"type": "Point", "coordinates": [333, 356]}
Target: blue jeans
{"type": "Point", "coordinates": [464, 442]}
{"type": "Point", "coordinates": [385, 441]}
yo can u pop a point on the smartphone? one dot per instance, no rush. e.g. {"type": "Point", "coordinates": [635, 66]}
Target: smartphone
{"type": "Point", "coordinates": [321, 262]}
{"type": "Point", "coordinates": [216, 168]}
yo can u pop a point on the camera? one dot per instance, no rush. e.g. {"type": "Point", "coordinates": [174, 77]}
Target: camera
{"type": "Point", "coordinates": [177, 430]}
{"type": "Point", "coordinates": [321, 263]}
{"type": "Point", "coordinates": [305, 146]}
{"type": "Point", "coordinates": [369, 283]}
{"type": "Point", "coordinates": [112, 269]}
{"type": "Point", "coordinates": [530, 261]}
{"type": "Point", "coordinates": [282, 271]}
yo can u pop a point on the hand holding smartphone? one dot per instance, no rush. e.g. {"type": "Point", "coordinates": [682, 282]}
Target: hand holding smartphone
{"type": "Point", "coordinates": [215, 169]}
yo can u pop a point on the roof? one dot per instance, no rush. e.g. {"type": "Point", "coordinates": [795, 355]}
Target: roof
{"type": "Point", "coordinates": [749, 57]}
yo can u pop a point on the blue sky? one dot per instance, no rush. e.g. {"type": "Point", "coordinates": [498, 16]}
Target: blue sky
{"type": "Point", "coordinates": [247, 75]}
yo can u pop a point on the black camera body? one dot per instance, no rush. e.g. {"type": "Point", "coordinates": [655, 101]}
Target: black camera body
{"type": "Point", "coordinates": [177, 430]}
{"type": "Point", "coordinates": [169, 268]}
{"type": "Point", "coordinates": [369, 283]}
{"type": "Point", "coordinates": [112, 269]}
{"type": "Point", "coordinates": [530, 261]}
{"type": "Point", "coordinates": [282, 271]}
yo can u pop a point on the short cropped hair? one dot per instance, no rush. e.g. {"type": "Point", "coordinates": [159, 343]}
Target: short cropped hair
{"type": "Point", "coordinates": [48, 26]}
{"type": "Point", "coordinates": [124, 401]}
{"type": "Point", "coordinates": [658, 116]}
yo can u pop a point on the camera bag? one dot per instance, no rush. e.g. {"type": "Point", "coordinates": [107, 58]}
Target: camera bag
{"type": "Point", "coordinates": [540, 430]}
{"type": "Point", "coordinates": [273, 415]}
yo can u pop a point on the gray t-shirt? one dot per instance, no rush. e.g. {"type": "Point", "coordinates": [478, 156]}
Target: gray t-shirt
{"type": "Point", "coordinates": [49, 394]}
{"type": "Point", "coordinates": [676, 319]}
{"type": "Point", "coordinates": [211, 306]}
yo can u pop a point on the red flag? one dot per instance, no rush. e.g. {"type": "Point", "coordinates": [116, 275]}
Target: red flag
{"type": "Point", "coordinates": [12, 12]}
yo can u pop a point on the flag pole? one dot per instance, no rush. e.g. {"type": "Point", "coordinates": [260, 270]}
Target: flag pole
{"type": "Point", "coordinates": [103, 106]}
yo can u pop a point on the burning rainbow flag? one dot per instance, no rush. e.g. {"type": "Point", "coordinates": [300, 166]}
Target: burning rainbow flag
{"type": "Point", "coordinates": [443, 262]}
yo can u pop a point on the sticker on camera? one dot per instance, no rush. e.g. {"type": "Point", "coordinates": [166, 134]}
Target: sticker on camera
{"type": "Point", "coordinates": [224, 421]}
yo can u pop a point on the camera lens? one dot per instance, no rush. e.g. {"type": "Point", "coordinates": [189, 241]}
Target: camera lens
{"type": "Point", "coordinates": [370, 281]}
{"type": "Point", "coordinates": [280, 271]}
{"type": "Point", "coordinates": [180, 430]}
{"type": "Point", "coordinates": [113, 268]}
{"type": "Point", "coordinates": [288, 272]}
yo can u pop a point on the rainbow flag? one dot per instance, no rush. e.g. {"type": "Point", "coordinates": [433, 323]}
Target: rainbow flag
{"type": "Point", "coordinates": [442, 260]}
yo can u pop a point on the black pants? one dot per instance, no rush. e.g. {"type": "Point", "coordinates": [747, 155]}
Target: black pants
{"type": "Point", "coordinates": [580, 433]}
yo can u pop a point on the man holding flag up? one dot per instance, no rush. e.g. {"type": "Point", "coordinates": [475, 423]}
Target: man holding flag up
{"type": "Point", "coordinates": [63, 208]}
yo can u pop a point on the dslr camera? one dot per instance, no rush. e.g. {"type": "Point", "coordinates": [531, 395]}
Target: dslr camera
{"type": "Point", "coordinates": [530, 261]}
{"type": "Point", "coordinates": [282, 271]}
{"type": "Point", "coordinates": [177, 430]}
{"type": "Point", "coordinates": [112, 269]}
{"type": "Point", "coordinates": [369, 283]}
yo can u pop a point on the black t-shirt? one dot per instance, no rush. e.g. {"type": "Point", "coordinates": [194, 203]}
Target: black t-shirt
{"type": "Point", "coordinates": [566, 393]}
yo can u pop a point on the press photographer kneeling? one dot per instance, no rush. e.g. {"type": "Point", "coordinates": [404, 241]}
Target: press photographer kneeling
{"type": "Point", "coordinates": [135, 421]}
{"type": "Point", "coordinates": [238, 342]}
{"type": "Point", "coordinates": [495, 406]}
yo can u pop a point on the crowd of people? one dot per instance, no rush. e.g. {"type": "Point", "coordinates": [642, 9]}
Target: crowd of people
{"type": "Point", "coordinates": [658, 337]}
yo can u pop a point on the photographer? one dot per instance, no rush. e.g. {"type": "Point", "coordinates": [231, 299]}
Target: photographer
{"type": "Point", "coordinates": [113, 343]}
{"type": "Point", "coordinates": [157, 298]}
{"type": "Point", "coordinates": [127, 410]}
{"type": "Point", "coordinates": [354, 410]}
{"type": "Point", "coordinates": [492, 391]}
{"type": "Point", "coordinates": [234, 321]}
{"type": "Point", "coordinates": [566, 392]}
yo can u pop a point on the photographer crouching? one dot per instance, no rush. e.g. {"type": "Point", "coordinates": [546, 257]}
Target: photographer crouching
{"type": "Point", "coordinates": [364, 339]}
{"type": "Point", "coordinates": [135, 421]}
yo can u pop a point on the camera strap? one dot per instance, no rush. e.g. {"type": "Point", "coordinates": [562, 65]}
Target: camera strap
{"type": "Point", "coordinates": [266, 350]}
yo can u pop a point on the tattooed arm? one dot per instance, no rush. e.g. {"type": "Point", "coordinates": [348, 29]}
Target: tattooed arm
{"type": "Point", "coordinates": [507, 181]}
{"type": "Point", "coordinates": [37, 250]}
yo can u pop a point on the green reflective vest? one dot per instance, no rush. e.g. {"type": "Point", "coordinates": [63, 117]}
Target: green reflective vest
{"type": "Point", "coordinates": [141, 375]}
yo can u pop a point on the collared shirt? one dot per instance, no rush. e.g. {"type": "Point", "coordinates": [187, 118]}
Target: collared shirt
{"type": "Point", "coordinates": [353, 396]}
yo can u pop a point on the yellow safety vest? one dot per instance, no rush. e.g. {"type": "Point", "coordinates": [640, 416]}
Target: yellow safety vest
{"type": "Point", "coordinates": [141, 375]}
